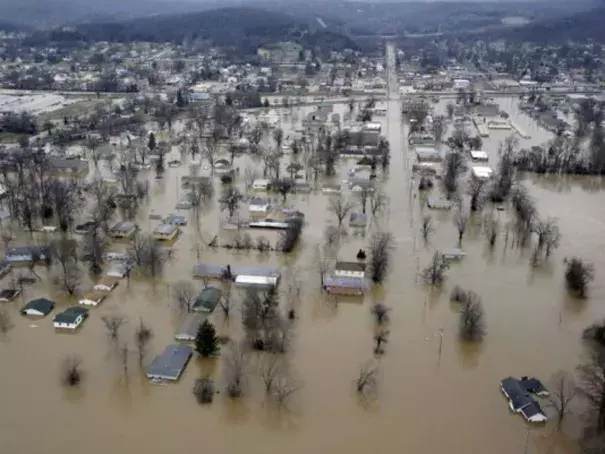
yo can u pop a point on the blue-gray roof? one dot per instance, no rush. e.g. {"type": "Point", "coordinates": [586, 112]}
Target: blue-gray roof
{"type": "Point", "coordinates": [338, 281]}
{"type": "Point", "coordinates": [170, 364]}
{"type": "Point", "coordinates": [517, 395]}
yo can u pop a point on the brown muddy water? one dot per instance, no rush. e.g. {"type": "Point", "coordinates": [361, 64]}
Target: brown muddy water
{"type": "Point", "coordinates": [425, 402]}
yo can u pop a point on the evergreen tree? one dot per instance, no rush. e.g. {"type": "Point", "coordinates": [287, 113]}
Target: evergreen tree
{"type": "Point", "coordinates": [151, 144]}
{"type": "Point", "coordinates": [206, 340]}
{"type": "Point", "coordinates": [266, 103]}
{"type": "Point", "coordinates": [180, 99]}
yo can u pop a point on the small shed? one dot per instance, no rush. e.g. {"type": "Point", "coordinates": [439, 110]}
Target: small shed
{"type": "Point", "coordinates": [170, 364]}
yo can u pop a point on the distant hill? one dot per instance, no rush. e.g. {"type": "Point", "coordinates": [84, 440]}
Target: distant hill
{"type": "Point", "coordinates": [241, 27]}
{"type": "Point", "coordinates": [581, 26]}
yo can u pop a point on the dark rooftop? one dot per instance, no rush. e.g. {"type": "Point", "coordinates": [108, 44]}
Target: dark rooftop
{"type": "Point", "coordinates": [170, 364]}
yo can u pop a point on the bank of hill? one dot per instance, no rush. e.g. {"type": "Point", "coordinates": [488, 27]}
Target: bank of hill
{"type": "Point", "coordinates": [240, 27]}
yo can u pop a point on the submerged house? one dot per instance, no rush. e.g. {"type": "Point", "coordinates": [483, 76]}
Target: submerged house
{"type": "Point", "coordinates": [9, 294]}
{"type": "Point", "coordinates": [336, 285]}
{"type": "Point", "coordinates": [170, 364]}
{"type": "Point", "coordinates": [259, 205]}
{"type": "Point", "coordinates": [71, 318]}
{"type": "Point", "coordinates": [93, 298]}
{"type": "Point", "coordinates": [123, 229]}
{"type": "Point", "coordinates": [165, 232]}
{"type": "Point", "coordinates": [173, 219]}
{"type": "Point", "coordinates": [520, 400]}
{"type": "Point", "coordinates": [350, 269]}
{"type": "Point", "coordinates": [27, 254]}
{"type": "Point", "coordinates": [40, 307]}
{"type": "Point", "coordinates": [106, 284]}
{"type": "Point", "coordinates": [256, 282]}
{"type": "Point", "coordinates": [358, 220]}
{"type": "Point", "coordinates": [211, 271]}
{"type": "Point", "coordinates": [207, 300]}
{"type": "Point", "coordinates": [188, 329]}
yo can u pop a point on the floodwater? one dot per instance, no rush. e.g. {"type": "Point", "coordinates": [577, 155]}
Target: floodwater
{"type": "Point", "coordinates": [434, 393]}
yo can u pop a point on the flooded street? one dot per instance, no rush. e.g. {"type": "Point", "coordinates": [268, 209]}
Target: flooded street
{"type": "Point", "coordinates": [429, 399]}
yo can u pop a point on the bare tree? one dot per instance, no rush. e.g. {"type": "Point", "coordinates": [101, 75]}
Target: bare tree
{"type": "Point", "coordinates": [591, 387]}
{"type": "Point", "coordinates": [378, 203]}
{"type": "Point", "coordinates": [453, 166]}
{"type": "Point", "coordinates": [461, 222]}
{"type": "Point", "coordinates": [434, 273]}
{"type": "Point", "coordinates": [113, 323]}
{"type": "Point", "coordinates": [184, 295]}
{"type": "Point", "coordinates": [93, 248]}
{"type": "Point", "coordinates": [426, 228]}
{"type": "Point", "coordinates": [476, 188]}
{"type": "Point", "coordinates": [439, 127]}
{"type": "Point", "coordinates": [124, 355]}
{"type": "Point", "coordinates": [142, 338]}
{"type": "Point", "coordinates": [363, 196]}
{"type": "Point", "coordinates": [71, 371]}
{"type": "Point", "coordinates": [271, 367]}
{"type": "Point", "coordinates": [380, 338]}
{"type": "Point", "coordinates": [548, 235]}
{"type": "Point", "coordinates": [68, 279]}
{"type": "Point", "coordinates": [147, 255]}
{"type": "Point", "coordinates": [381, 313]}
{"type": "Point", "coordinates": [367, 380]}
{"type": "Point", "coordinates": [230, 201]}
{"type": "Point", "coordinates": [226, 303]}
{"type": "Point", "coordinates": [235, 362]}
{"type": "Point", "coordinates": [340, 207]}
{"type": "Point", "coordinates": [562, 391]}
{"type": "Point", "coordinates": [472, 323]}
{"type": "Point", "coordinates": [381, 246]}
{"type": "Point", "coordinates": [6, 323]}
{"type": "Point", "coordinates": [284, 387]}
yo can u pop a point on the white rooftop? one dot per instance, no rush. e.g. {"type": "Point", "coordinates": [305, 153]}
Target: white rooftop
{"type": "Point", "coordinates": [479, 155]}
{"type": "Point", "coordinates": [482, 172]}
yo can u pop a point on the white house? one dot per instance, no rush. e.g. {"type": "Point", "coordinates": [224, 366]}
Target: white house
{"type": "Point", "coordinates": [70, 318]}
